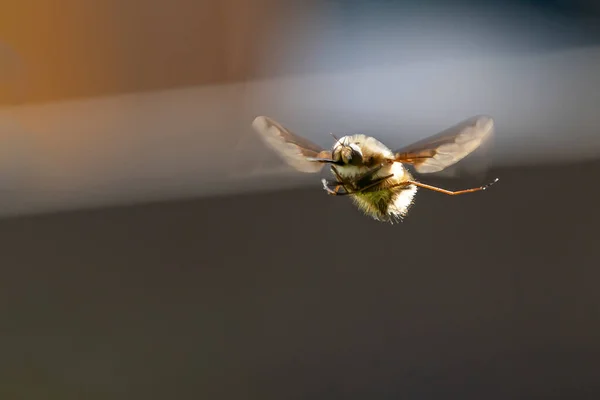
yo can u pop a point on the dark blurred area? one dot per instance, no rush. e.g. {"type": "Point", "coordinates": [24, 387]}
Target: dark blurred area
{"type": "Point", "coordinates": [285, 293]}
{"type": "Point", "coordinates": [295, 295]}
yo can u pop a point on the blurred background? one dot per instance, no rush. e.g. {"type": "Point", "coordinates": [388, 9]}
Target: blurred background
{"type": "Point", "coordinates": [152, 246]}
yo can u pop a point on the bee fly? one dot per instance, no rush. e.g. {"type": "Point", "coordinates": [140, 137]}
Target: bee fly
{"type": "Point", "coordinates": [371, 174]}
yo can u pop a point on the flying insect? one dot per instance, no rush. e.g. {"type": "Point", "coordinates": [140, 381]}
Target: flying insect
{"type": "Point", "coordinates": [373, 176]}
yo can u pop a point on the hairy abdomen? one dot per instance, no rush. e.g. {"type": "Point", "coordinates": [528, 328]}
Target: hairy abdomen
{"type": "Point", "coordinates": [390, 200]}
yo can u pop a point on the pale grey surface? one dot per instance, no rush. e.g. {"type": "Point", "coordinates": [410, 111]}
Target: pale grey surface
{"type": "Point", "coordinates": [198, 141]}
{"type": "Point", "coordinates": [84, 123]}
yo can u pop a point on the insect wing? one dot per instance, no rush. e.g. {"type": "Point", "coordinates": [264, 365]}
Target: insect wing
{"type": "Point", "coordinates": [295, 150]}
{"type": "Point", "coordinates": [448, 147]}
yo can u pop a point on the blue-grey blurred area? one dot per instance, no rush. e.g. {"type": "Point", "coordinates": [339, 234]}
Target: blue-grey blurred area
{"type": "Point", "coordinates": [356, 34]}
{"type": "Point", "coordinates": [124, 103]}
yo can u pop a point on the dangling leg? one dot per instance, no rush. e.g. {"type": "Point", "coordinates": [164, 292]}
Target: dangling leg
{"type": "Point", "coordinates": [356, 184]}
{"type": "Point", "coordinates": [366, 188]}
{"type": "Point", "coordinates": [445, 191]}
{"type": "Point", "coordinates": [336, 190]}
{"type": "Point", "coordinates": [340, 181]}
{"type": "Point", "coordinates": [374, 183]}
{"type": "Point", "coordinates": [344, 183]}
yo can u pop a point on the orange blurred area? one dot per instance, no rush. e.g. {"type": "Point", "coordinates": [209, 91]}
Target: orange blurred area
{"type": "Point", "coordinates": [70, 48]}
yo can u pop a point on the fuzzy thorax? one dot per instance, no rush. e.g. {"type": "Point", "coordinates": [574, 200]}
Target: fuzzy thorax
{"type": "Point", "coordinates": [390, 200]}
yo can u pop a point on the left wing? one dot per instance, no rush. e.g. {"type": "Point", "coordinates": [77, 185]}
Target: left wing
{"type": "Point", "coordinates": [300, 153]}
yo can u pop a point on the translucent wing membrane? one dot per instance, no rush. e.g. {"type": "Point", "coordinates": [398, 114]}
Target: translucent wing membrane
{"type": "Point", "coordinates": [295, 150]}
{"type": "Point", "coordinates": [448, 147]}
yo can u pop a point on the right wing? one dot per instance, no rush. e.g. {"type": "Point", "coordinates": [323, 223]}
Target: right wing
{"type": "Point", "coordinates": [440, 151]}
{"type": "Point", "coordinates": [298, 152]}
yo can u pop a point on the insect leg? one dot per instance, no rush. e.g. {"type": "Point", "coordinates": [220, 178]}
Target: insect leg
{"type": "Point", "coordinates": [356, 181]}
{"type": "Point", "coordinates": [449, 192]}
{"type": "Point", "coordinates": [360, 190]}
{"type": "Point", "coordinates": [366, 188]}
{"type": "Point", "coordinates": [356, 186]}
{"type": "Point", "coordinates": [340, 181]}
{"type": "Point", "coordinates": [336, 191]}
{"type": "Point", "coordinates": [369, 173]}
{"type": "Point", "coordinates": [374, 183]}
